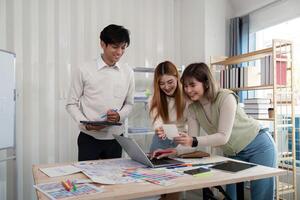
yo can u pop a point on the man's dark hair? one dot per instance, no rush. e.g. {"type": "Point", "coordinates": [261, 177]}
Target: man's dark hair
{"type": "Point", "coordinates": [115, 34]}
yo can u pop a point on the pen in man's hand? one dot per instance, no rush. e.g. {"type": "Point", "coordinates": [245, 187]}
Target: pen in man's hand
{"type": "Point", "coordinates": [105, 115]}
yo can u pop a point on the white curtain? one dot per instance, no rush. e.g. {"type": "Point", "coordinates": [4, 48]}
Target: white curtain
{"type": "Point", "coordinates": [50, 37]}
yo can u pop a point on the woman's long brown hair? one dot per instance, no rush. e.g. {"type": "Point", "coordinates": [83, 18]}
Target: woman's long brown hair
{"type": "Point", "coordinates": [159, 104]}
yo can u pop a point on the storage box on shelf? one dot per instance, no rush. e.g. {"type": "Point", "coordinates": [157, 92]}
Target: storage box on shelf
{"type": "Point", "coordinates": [268, 72]}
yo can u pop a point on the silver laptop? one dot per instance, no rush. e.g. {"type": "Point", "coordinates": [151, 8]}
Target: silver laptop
{"type": "Point", "coordinates": [136, 153]}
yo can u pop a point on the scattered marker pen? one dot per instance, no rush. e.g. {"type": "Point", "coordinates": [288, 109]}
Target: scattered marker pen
{"type": "Point", "coordinates": [74, 186]}
{"type": "Point", "coordinates": [69, 182]}
{"type": "Point", "coordinates": [66, 185]}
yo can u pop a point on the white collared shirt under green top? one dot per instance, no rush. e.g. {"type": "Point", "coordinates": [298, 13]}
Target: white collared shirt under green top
{"type": "Point", "coordinates": [96, 88]}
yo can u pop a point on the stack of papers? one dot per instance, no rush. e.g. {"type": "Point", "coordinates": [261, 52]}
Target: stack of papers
{"type": "Point", "coordinates": [140, 96]}
{"type": "Point", "coordinates": [60, 171]}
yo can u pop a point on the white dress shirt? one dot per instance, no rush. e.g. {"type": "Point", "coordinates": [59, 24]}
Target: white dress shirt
{"type": "Point", "coordinates": [96, 88]}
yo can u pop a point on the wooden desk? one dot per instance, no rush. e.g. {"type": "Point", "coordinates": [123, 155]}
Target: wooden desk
{"type": "Point", "coordinates": [137, 190]}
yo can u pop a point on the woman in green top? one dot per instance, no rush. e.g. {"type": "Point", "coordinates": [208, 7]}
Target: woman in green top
{"type": "Point", "coordinates": [217, 111]}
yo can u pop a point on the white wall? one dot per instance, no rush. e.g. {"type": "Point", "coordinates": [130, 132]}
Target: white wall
{"type": "Point", "coordinates": [243, 7]}
{"type": "Point", "coordinates": [216, 28]}
{"type": "Point", "coordinates": [266, 13]}
{"type": "Point", "coordinates": [51, 37]}
{"type": "Point", "coordinates": [275, 14]}
{"type": "Point", "coordinates": [203, 29]}
{"type": "Point", "coordinates": [191, 19]}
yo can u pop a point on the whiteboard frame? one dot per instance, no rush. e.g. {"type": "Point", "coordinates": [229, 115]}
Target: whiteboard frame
{"type": "Point", "coordinates": [14, 114]}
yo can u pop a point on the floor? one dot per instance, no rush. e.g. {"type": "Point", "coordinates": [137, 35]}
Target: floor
{"type": "Point", "coordinates": [197, 195]}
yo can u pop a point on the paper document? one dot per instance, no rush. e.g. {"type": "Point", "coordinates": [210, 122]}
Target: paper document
{"type": "Point", "coordinates": [56, 190]}
{"type": "Point", "coordinates": [108, 171]}
{"type": "Point", "coordinates": [170, 130]}
{"type": "Point", "coordinates": [60, 171]}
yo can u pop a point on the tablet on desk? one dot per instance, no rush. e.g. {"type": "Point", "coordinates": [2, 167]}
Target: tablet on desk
{"type": "Point", "coordinates": [232, 166]}
{"type": "Point", "coordinates": [101, 123]}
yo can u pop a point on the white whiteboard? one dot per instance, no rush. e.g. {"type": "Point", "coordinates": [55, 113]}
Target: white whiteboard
{"type": "Point", "coordinates": [7, 99]}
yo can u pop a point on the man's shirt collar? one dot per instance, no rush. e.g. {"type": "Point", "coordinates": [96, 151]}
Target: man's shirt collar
{"type": "Point", "coordinates": [101, 64]}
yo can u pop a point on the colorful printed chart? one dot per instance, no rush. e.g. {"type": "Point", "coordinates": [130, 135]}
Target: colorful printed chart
{"type": "Point", "coordinates": [57, 191]}
{"type": "Point", "coordinates": [108, 171]}
{"type": "Point", "coordinates": [159, 177]}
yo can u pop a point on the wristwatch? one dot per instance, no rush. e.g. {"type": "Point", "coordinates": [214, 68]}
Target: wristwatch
{"type": "Point", "coordinates": [195, 142]}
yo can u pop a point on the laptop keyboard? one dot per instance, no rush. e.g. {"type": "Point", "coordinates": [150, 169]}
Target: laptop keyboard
{"type": "Point", "coordinates": [161, 161]}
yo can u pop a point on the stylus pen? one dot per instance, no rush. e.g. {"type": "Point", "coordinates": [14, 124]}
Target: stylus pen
{"type": "Point", "coordinates": [176, 166]}
{"type": "Point", "coordinates": [202, 164]}
{"type": "Point", "coordinates": [105, 115]}
{"type": "Point", "coordinates": [186, 165]}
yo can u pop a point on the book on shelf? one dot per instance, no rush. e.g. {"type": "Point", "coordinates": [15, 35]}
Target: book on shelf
{"type": "Point", "coordinates": [240, 77]}
{"type": "Point", "coordinates": [257, 100]}
{"type": "Point", "coordinates": [143, 99]}
{"type": "Point", "coordinates": [267, 70]}
{"type": "Point", "coordinates": [259, 115]}
{"type": "Point", "coordinates": [139, 130]}
{"type": "Point", "coordinates": [257, 106]}
{"type": "Point", "coordinates": [263, 70]}
{"type": "Point", "coordinates": [281, 67]}
{"type": "Point", "coordinates": [253, 75]}
{"type": "Point", "coordinates": [141, 96]}
{"type": "Point", "coordinates": [268, 66]}
{"type": "Point", "coordinates": [260, 74]}
{"type": "Point", "coordinates": [256, 111]}
{"type": "Point", "coordinates": [143, 69]}
{"type": "Point", "coordinates": [271, 70]}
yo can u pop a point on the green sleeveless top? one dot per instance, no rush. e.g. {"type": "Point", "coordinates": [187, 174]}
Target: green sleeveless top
{"type": "Point", "coordinates": [244, 128]}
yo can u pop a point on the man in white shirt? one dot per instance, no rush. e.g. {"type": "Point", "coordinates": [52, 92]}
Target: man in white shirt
{"type": "Point", "coordinates": [102, 90]}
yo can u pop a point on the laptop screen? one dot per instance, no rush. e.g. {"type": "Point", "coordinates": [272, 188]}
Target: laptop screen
{"type": "Point", "coordinates": [136, 153]}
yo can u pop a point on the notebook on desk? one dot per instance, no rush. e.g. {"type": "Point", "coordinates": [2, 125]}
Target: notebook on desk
{"type": "Point", "coordinates": [136, 153]}
{"type": "Point", "coordinates": [101, 123]}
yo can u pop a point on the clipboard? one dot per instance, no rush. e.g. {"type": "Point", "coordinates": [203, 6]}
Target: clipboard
{"type": "Point", "coordinates": [101, 123]}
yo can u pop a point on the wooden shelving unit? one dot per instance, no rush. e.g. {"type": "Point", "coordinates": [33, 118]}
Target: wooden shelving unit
{"type": "Point", "coordinates": [282, 99]}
